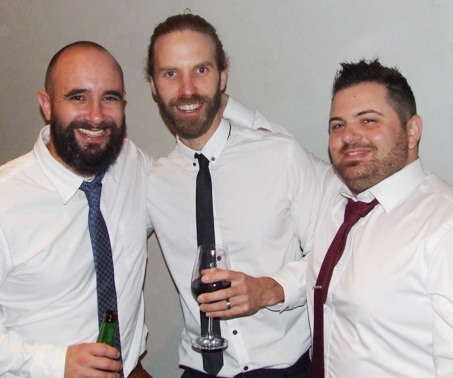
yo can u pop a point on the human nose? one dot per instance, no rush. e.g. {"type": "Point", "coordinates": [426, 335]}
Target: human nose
{"type": "Point", "coordinates": [351, 134]}
{"type": "Point", "coordinates": [188, 87]}
{"type": "Point", "coordinates": [95, 113]}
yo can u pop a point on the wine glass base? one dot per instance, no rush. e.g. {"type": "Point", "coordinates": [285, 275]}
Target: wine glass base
{"type": "Point", "coordinates": [209, 343]}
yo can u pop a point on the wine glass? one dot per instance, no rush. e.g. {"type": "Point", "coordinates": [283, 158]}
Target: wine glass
{"type": "Point", "coordinates": [209, 256]}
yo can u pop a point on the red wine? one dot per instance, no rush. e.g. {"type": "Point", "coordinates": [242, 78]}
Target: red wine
{"type": "Point", "coordinates": [199, 287]}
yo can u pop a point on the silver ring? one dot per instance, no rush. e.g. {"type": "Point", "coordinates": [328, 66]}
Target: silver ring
{"type": "Point", "coordinates": [228, 303]}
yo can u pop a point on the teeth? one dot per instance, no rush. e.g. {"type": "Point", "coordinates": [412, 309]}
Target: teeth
{"type": "Point", "coordinates": [189, 107]}
{"type": "Point", "coordinates": [92, 133]}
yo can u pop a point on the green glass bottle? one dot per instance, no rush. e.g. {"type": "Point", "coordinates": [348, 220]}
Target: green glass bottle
{"type": "Point", "coordinates": [108, 328]}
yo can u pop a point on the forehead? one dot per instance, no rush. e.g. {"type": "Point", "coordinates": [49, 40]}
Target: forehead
{"type": "Point", "coordinates": [360, 97]}
{"type": "Point", "coordinates": [184, 47]}
{"type": "Point", "coordinates": [88, 68]}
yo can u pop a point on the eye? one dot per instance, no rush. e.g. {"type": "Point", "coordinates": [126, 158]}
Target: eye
{"type": "Point", "coordinates": [111, 98]}
{"type": "Point", "coordinates": [202, 70]}
{"type": "Point", "coordinates": [368, 121]}
{"type": "Point", "coordinates": [336, 126]}
{"type": "Point", "coordinates": [76, 98]}
{"type": "Point", "coordinates": [169, 74]}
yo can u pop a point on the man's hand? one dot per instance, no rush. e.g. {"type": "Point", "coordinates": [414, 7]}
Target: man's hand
{"type": "Point", "coordinates": [246, 295]}
{"type": "Point", "coordinates": [95, 360]}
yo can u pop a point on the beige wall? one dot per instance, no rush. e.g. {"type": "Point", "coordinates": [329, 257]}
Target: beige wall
{"type": "Point", "coordinates": [284, 55]}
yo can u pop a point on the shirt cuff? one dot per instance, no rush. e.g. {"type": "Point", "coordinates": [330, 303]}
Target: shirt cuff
{"type": "Point", "coordinates": [294, 291]}
{"type": "Point", "coordinates": [49, 361]}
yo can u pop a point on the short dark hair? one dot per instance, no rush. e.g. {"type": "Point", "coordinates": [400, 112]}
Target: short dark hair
{"type": "Point", "coordinates": [399, 93]}
{"type": "Point", "coordinates": [87, 44]}
{"type": "Point", "coordinates": [183, 22]}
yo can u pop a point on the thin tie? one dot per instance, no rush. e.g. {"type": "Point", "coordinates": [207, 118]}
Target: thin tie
{"type": "Point", "coordinates": [212, 360]}
{"type": "Point", "coordinates": [102, 252]}
{"type": "Point", "coordinates": [354, 211]}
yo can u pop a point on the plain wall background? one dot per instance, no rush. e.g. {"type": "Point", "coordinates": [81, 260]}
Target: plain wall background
{"type": "Point", "coordinates": [283, 56]}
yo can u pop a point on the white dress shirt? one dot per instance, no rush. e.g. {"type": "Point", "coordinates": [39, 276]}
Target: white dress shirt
{"type": "Point", "coordinates": [265, 193]}
{"type": "Point", "coordinates": [47, 277]}
{"type": "Point", "coordinates": [240, 115]}
{"type": "Point", "coordinates": [389, 309]}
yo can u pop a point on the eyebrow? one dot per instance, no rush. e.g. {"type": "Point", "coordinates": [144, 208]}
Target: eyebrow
{"type": "Point", "coordinates": [75, 91]}
{"type": "Point", "coordinates": [207, 63]}
{"type": "Point", "coordinates": [198, 65]}
{"type": "Point", "coordinates": [359, 114]}
{"type": "Point", "coordinates": [114, 93]}
{"type": "Point", "coordinates": [372, 111]}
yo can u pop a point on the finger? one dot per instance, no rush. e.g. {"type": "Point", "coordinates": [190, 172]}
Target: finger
{"type": "Point", "coordinates": [226, 313]}
{"type": "Point", "coordinates": [216, 296]}
{"type": "Point", "coordinates": [222, 305]}
{"type": "Point", "coordinates": [215, 274]}
{"type": "Point", "coordinates": [108, 364]}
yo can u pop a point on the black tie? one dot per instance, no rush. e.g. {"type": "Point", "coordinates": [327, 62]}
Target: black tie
{"type": "Point", "coordinates": [212, 360]}
{"type": "Point", "coordinates": [102, 252]}
{"type": "Point", "coordinates": [354, 211]}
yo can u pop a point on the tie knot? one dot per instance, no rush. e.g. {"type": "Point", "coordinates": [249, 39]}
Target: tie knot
{"type": "Point", "coordinates": [356, 210]}
{"type": "Point", "coordinates": [92, 189]}
{"type": "Point", "coordinates": [202, 160]}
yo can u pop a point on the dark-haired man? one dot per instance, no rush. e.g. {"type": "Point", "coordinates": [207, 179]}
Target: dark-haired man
{"type": "Point", "coordinates": [48, 290]}
{"type": "Point", "coordinates": [388, 310]}
{"type": "Point", "coordinates": [265, 195]}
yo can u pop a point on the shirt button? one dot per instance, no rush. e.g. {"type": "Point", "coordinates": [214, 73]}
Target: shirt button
{"type": "Point", "coordinates": [338, 265]}
{"type": "Point", "coordinates": [246, 368]}
{"type": "Point", "coordinates": [235, 332]}
{"type": "Point", "coordinates": [326, 309]}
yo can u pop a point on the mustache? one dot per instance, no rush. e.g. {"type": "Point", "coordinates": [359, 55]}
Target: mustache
{"type": "Point", "coordinates": [184, 100]}
{"type": "Point", "coordinates": [89, 126]}
{"type": "Point", "coordinates": [350, 146]}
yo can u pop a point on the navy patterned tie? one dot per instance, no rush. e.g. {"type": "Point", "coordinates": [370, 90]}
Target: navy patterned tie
{"type": "Point", "coordinates": [353, 212]}
{"type": "Point", "coordinates": [102, 252]}
{"type": "Point", "coordinates": [212, 360]}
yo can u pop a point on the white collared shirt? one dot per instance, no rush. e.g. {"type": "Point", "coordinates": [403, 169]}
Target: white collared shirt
{"type": "Point", "coordinates": [265, 195]}
{"type": "Point", "coordinates": [389, 309]}
{"type": "Point", "coordinates": [240, 115]}
{"type": "Point", "coordinates": [47, 278]}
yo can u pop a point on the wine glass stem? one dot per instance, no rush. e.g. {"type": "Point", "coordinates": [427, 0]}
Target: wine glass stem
{"type": "Point", "coordinates": [210, 334]}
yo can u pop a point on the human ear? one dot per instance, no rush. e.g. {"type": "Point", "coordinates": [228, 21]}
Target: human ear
{"type": "Point", "coordinates": [223, 79]}
{"type": "Point", "coordinates": [45, 104]}
{"type": "Point", "coordinates": [414, 131]}
{"type": "Point", "coordinates": [153, 86]}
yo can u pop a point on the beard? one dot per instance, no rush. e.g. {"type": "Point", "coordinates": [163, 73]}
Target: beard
{"type": "Point", "coordinates": [194, 127]}
{"type": "Point", "coordinates": [362, 175]}
{"type": "Point", "coordinates": [90, 159]}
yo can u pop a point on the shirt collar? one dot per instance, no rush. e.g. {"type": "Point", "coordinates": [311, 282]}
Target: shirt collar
{"type": "Point", "coordinates": [65, 181]}
{"type": "Point", "coordinates": [212, 149]}
{"type": "Point", "coordinates": [391, 191]}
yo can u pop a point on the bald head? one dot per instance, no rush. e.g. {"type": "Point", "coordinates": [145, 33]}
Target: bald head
{"type": "Point", "coordinates": [76, 46]}
{"type": "Point", "coordinates": [84, 104]}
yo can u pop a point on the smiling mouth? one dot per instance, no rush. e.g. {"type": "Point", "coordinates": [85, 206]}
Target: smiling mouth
{"type": "Point", "coordinates": [189, 107]}
{"type": "Point", "coordinates": [354, 153]}
{"type": "Point", "coordinates": [92, 133]}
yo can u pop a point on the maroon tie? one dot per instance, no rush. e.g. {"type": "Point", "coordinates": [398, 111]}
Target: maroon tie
{"type": "Point", "coordinates": [354, 211]}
